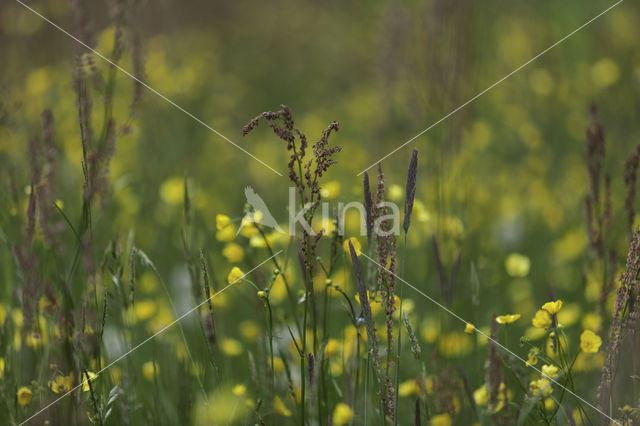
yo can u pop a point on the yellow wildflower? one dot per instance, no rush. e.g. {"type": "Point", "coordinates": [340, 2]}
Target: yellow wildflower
{"type": "Point", "coordinates": [222, 221]}
{"type": "Point", "coordinates": [441, 420]}
{"type": "Point", "coordinates": [85, 383]}
{"type": "Point", "coordinates": [480, 395]}
{"type": "Point", "coordinates": [550, 371]}
{"type": "Point", "coordinates": [24, 395]}
{"type": "Point", "coordinates": [231, 347]}
{"type": "Point", "coordinates": [531, 360]}
{"type": "Point", "coordinates": [517, 265]}
{"type": "Point", "coordinates": [549, 405]}
{"type": "Point", "coordinates": [541, 319]}
{"type": "Point", "coordinates": [342, 414]}
{"type": "Point", "coordinates": [239, 390]}
{"type": "Point", "coordinates": [149, 370]}
{"type": "Point", "coordinates": [330, 190]}
{"type": "Point", "coordinates": [1, 367]}
{"type": "Point", "coordinates": [233, 252]}
{"type": "Point", "coordinates": [332, 347]}
{"type": "Point", "coordinates": [278, 365]}
{"type": "Point", "coordinates": [590, 342]}
{"type": "Point", "coordinates": [280, 408]}
{"type": "Point", "coordinates": [469, 328]}
{"type": "Point", "coordinates": [408, 388]}
{"type": "Point", "coordinates": [227, 234]}
{"type": "Point", "coordinates": [542, 386]}
{"type": "Point", "coordinates": [507, 319]}
{"type": "Point", "coordinates": [144, 309]}
{"type": "Point", "coordinates": [235, 275]}
{"type": "Point", "coordinates": [356, 246]}
{"type": "Point", "coordinates": [553, 307]}
{"type": "Point", "coordinates": [61, 383]}
{"type": "Point", "coordinates": [172, 191]}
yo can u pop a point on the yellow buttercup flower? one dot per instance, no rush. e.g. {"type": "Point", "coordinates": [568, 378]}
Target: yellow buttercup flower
{"type": "Point", "coordinates": [517, 265]}
{"type": "Point", "coordinates": [541, 319]}
{"type": "Point", "coordinates": [222, 221]}
{"type": "Point", "coordinates": [507, 319]}
{"type": "Point", "coordinates": [235, 275]}
{"type": "Point", "coordinates": [542, 386]}
{"type": "Point", "coordinates": [408, 388]}
{"type": "Point", "coordinates": [590, 342]}
{"type": "Point", "coordinates": [61, 383]}
{"type": "Point", "coordinates": [549, 405]}
{"type": "Point", "coordinates": [24, 395]}
{"type": "Point", "coordinates": [342, 414]}
{"type": "Point", "coordinates": [480, 395]}
{"type": "Point", "coordinates": [441, 420]}
{"type": "Point", "coordinates": [85, 383]}
{"type": "Point", "coordinates": [553, 307]}
{"type": "Point", "coordinates": [330, 190]}
{"type": "Point", "coordinates": [231, 347]}
{"type": "Point", "coordinates": [149, 370]}
{"type": "Point", "coordinates": [280, 408]}
{"type": "Point", "coordinates": [333, 345]}
{"type": "Point", "coordinates": [356, 246]}
{"type": "Point", "coordinates": [532, 359]}
{"type": "Point", "coordinates": [469, 328]}
{"type": "Point", "coordinates": [239, 390]}
{"type": "Point", "coordinates": [233, 252]}
{"type": "Point", "coordinates": [550, 370]}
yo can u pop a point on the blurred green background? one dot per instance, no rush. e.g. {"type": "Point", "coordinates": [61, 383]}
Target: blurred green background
{"type": "Point", "coordinates": [504, 175]}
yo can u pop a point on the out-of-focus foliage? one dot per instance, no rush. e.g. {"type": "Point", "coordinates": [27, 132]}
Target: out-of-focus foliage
{"type": "Point", "coordinates": [502, 183]}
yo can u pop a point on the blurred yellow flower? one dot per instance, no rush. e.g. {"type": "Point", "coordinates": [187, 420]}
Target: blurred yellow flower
{"type": "Point", "coordinates": [441, 420]}
{"type": "Point", "coordinates": [550, 371]}
{"type": "Point", "coordinates": [507, 319]}
{"type": "Point", "coordinates": [517, 265]}
{"type": "Point", "coordinates": [149, 370]}
{"type": "Point", "coordinates": [604, 73]}
{"type": "Point", "coordinates": [249, 330]}
{"type": "Point", "coordinates": [532, 359]}
{"type": "Point", "coordinates": [542, 386]}
{"type": "Point", "coordinates": [280, 408]}
{"type": "Point", "coordinates": [1, 367]}
{"type": "Point", "coordinates": [541, 319]}
{"type": "Point", "coordinates": [455, 344]}
{"type": "Point", "coordinates": [590, 342]}
{"type": "Point", "coordinates": [222, 221]}
{"type": "Point", "coordinates": [469, 328]}
{"type": "Point", "coordinates": [592, 321]}
{"type": "Point", "coordinates": [356, 246]}
{"type": "Point", "coordinates": [553, 307]}
{"type": "Point", "coordinates": [549, 405]}
{"type": "Point", "coordinates": [278, 365]}
{"type": "Point", "coordinates": [172, 191]}
{"type": "Point", "coordinates": [61, 383]}
{"type": "Point", "coordinates": [144, 309]}
{"type": "Point", "coordinates": [227, 234]}
{"type": "Point", "coordinates": [395, 193]}
{"type": "Point", "coordinates": [330, 190]}
{"type": "Point", "coordinates": [231, 347]}
{"type": "Point", "coordinates": [332, 347]}
{"type": "Point", "coordinates": [408, 388]}
{"type": "Point", "coordinates": [235, 275]}
{"type": "Point", "coordinates": [24, 395]}
{"type": "Point", "coordinates": [342, 414]}
{"type": "Point", "coordinates": [233, 252]}
{"type": "Point", "coordinates": [239, 390]}
{"type": "Point", "coordinates": [85, 382]}
{"type": "Point", "coordinates": [569, 315]}
{"type": "Point", "coordinates": [480, 395]}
